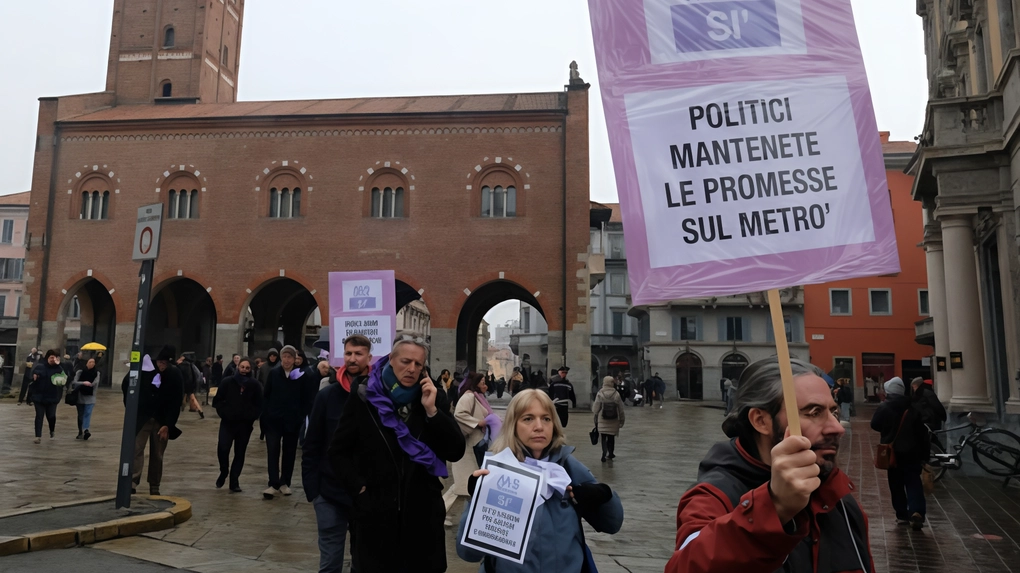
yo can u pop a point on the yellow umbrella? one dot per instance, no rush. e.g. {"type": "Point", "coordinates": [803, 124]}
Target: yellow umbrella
{"type": "Point", "coordinates": [93, 346]}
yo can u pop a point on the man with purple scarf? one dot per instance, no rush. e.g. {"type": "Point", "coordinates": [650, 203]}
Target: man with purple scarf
{"type": "Point", "coordinates": [391, 446]}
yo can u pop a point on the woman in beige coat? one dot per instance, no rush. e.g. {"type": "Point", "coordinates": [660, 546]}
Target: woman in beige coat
{"type": "Point", "coordinates": [471, 412]}
{"type": "Point", "coordinates": [609, 416]}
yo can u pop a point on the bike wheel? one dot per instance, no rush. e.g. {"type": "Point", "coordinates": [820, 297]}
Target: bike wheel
{"type": "Point", "coordinates": [997, 452]}
{"type": "Point", "coordinates": [934, 464]}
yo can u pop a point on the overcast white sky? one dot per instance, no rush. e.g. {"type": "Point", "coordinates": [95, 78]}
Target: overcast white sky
{"type": "Point", "coordinates": [313, 49]}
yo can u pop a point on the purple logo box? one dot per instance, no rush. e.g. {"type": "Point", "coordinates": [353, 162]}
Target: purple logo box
{"type": "Point", "coordinates": [726, 25]}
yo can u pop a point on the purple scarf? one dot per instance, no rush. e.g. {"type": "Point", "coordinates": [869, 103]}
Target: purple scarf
{"type": "Point", "coordinates": [480, 396]}
{"type": "Point", "coordinates": [377, 396]}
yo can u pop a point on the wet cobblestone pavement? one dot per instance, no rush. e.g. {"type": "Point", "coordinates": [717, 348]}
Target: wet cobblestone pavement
{"type": "Point", "coordinates": [974, 523]}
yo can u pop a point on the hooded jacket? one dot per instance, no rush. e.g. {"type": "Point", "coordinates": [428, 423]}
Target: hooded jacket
{"type": "Point", "coordinates": [727, 522]}
{"type": "Point", "coordinates": [901, 424]}
{"type": "Point", "coordinates": [239, 399]}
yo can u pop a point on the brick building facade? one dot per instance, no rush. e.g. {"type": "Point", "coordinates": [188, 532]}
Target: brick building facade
{"type": "Point", "coordinates": [263, 199]}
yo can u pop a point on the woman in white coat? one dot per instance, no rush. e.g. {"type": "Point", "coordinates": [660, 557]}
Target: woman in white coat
{"type": "Point", "coordinates": [474, 415]}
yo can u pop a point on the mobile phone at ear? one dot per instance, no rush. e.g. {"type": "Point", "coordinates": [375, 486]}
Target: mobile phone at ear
{"type": "Point", "coordinates": [424, 374]}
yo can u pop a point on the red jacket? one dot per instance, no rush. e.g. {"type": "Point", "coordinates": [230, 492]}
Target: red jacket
{"type": "Point", "coordinates": [727, 522]}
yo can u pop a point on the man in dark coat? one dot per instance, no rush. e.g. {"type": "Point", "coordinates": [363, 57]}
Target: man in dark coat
{"type": "Point", "coordinates": [927, 402]}
{"type": "Point", "coordinates": [562, 393]}
{"type": "Point", "coordinates": [289, 393]}
{"type": "Point", "coordinates": [238, 401]}
{"type": "Point", "coordinates": [390, 448]}
{"type": "Point", "coordinates": [217, 371]}
{"type": "Point", "coordinates": [322, 486]}
{"type": "Point", "coordinates": [768, 501]}
{"type": "Point", "coordinates": [161, 391]}
{"type": "Point", "coordinates": [33, 358]}
{"type": "Point", "coordinates": [900, 421]}
{"type": "Point", "coordinates": [272, 359]}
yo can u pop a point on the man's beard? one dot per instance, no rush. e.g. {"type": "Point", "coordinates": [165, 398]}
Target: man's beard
{"type": "Point", "coordinates": [828, 463]}
{"type": "Point", "coordinates": [354, 369]}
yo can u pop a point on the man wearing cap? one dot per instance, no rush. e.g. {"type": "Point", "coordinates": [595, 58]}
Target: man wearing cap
{"type": "Point", "coordinates": [562, 393]}
{"type": "Point", "coordinates": [288, 399]}
{"type": "Point", "coordinates": [161, 391]}
{"type": "Point", "coordinates": [769, 501]}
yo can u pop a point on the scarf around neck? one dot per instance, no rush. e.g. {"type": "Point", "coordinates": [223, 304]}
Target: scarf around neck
{"type": "Point", "coordinates": [378, 396]}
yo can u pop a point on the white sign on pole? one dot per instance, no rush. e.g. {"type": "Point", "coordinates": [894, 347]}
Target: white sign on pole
{"type": "Point", "coordinates": [502, 509]}
{"type": "Point", "coordinates": [147, 230]}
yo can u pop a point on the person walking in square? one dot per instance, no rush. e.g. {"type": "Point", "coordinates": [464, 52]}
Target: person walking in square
{"type": "Point", "coordinates": [562, 393]}
{"type": "Point", "coordinates": [901, 424]}
{"type": "Point", "coordinates": [238, 403]}
{"type": "Point", "coordinates": [289, 393]}
{"type": "Point", "coordinates": [609, 416]}
{"type": "Point", "coordinates": [46, 392]}
{"type": "Point", "coordinates": [85, 383]}
{"type": "Point", "coordinates": [160, 393]}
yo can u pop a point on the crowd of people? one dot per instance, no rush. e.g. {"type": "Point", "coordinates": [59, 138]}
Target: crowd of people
{"type": "Point", "coordinates": [378, 435]}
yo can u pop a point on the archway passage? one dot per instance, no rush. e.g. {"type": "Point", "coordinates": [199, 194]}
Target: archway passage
{"type": "Point", "coordinates": [733, 365]}
{"type": "Point", "coordinates": [475, 307]}
{"type": "Point", "coordinates": [689, 381]}
{"type": "Point", "coordinates": [90, 307]}
{"type": "Point", "coordinates": [182, 314]}
{"type": "Point", "coordinates": [278, 315]}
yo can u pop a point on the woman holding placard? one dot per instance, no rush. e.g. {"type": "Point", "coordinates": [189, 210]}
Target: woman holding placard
{"type": "Point", "coordinates": [533, 434]}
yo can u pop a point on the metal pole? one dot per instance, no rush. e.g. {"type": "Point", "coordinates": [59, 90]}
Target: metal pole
{"type": "Point", "coordinates": [127, 443]}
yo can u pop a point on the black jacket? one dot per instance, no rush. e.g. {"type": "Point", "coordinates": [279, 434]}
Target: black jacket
{"type": "Point", "coordinates": [162, 404]}
{"type": "Point", "coordinates": [317, 473]}
{"type": "Point", "coordinates": [287, 402]}
{"type": "Point", "coordinates": [930, 407]}
{"type": "Point", "coordinates": [911, 441]}
{"type": "Point", "coordinates": [216, 374]}
{"type": "Point", "coordinates": [399, 518]}
{"type": "Point", "coordinates": [561, 389]}
{"type": "Point", "coordinates": [43, 391]}
{"type": "Point", "coordinates": [239, 399]}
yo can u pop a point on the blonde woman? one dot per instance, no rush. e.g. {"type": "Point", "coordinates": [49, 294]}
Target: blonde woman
{"type": "Point", "coordinates": [533, 433]}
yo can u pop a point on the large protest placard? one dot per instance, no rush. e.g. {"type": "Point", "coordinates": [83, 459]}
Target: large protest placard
{"type": "Point", "coordinates": [361, 303]}
{"type": "Point", "coordinates": [745, 146]}
{"type": "Point", "coordinates": [502, 509]}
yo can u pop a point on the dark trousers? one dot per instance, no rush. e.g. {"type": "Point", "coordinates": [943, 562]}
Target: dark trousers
{"type": "Point", "coordinates": [25, 382]}
{"type": "Point", "coordinates": [906, 490]}
{"type": "Point", "coordinates": [562, 412]}
{"type": "Point", "coordinates": [50, 411]}
{"type": "Point", "coordinates": [233, 434]}
{"type": "Point", "coordinates": [608, 445]}
{"type": "Point", "coordinates": [275, 436]}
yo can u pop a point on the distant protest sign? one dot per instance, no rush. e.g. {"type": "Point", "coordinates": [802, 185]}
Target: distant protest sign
{"type": "Point", "coordinates": [744, 140]}
{"type": "Point", "coordinates": [361, 303]}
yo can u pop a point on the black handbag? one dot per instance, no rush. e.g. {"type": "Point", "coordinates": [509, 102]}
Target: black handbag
{"type": "Point", "coordinates": [71, 396]}
{"type": "Point", "coordinates": [594, 433]}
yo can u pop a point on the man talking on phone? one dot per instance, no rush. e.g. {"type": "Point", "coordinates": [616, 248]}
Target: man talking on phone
{"type": "Point", "coordinates": [768, 501]}
{"type": "Point", "coordinates": [390, 448]}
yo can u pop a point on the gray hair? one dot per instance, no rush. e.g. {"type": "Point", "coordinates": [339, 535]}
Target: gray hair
{"type": "Point", "coordinates": [408, 337]}
{"type": "Point", "coordinates": [760, 386]}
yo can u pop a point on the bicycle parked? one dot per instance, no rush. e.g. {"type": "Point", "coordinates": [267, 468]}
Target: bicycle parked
{"type": "Point", "coordinates": [995, 450]}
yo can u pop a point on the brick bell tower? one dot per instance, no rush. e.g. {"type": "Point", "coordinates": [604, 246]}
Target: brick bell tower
{"type": "Point", "coordinates": [175, 51]}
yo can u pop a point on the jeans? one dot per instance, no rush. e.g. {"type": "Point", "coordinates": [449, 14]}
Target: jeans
{"type": "Point", "coordinates": [236, 434]}
{"type": "Point", "coordinates": [332, 521]}
{"type": "Point", "coordinates": [906, 490]}
{"type": "Point", "coordinates": [50, 411]}
{"type": "Point", "coordinates": [84, 416]}
{"type": "Point", "coordinates": [844, 410]}
{"type": "Point", "coordinates": [608, 445]}
{"type": "Point", "coordinates": [274, 437]}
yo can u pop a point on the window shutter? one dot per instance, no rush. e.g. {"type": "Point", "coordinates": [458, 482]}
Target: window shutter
{"type": "Point", "coordinates": [699, 325]}
{"type": "Point", "coordinates": [722, 329]}
{"type": "Point", "coordinates": [676, 328]}
{"type": "Point", "coordinates": [745, 327]}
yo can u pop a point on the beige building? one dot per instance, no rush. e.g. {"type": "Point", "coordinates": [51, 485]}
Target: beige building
{"type": "Point", "coordinates": [968, 180]}
{"type": "Point", "coordinates": [13, 221]}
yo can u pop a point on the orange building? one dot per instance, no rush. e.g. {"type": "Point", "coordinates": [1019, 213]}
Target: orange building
{"type": "Point", "coordinates": [863, 329]}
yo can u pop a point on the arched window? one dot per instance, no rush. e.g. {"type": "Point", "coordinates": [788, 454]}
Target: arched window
{"type": "Point", "coordinates": [388, 202]}
{"type": "Point", "coordinates": [95, 205]}
{"type": "Point", "coordinates": [499, 201]}
{"type": "Point", "coordinates": [182, 204]}
{"type": "Point", "coordinates": [224, 57]}
{"type": "Point", "coordinates": [168, 37]}
{"type": "Point", "coordinates": [167, 89]}
{"type": "Point", "coordinates": [285, 203]}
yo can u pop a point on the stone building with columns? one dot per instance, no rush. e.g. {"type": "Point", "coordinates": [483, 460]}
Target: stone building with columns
{"type": "Point", "coordinates": [263, 199]}
{"type": "Point", "coordinates": [967, 172]}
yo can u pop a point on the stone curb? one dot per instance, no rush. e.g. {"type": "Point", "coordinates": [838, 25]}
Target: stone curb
{"type": "Point", "coordinates": [96, 532]}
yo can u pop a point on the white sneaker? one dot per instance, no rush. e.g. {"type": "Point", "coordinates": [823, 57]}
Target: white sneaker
{"type": "Point", "coordinates": [270, 493]}
{"type": "Point", "coordinates": [285, 490]}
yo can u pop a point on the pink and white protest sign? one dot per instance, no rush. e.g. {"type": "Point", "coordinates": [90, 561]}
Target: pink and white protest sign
{"type": "Point", "coordinates": [363, 303]}
{"type": "Point", "coordinates": [744, 140]}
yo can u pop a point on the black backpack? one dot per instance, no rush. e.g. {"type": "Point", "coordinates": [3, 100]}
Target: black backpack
{"type": "Point", "coordinates": [610, 411]}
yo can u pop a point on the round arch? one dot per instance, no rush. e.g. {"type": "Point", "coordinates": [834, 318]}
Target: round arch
{"type": "Point", "coordinates": [689, 376]}
{"type": "Point", "coordinates": [276, 314]}
{"type": "Point", "coordinates": [88, 313]}
{"type": "Point", "coordinates": [479, 302]}
{"type": "Point", "coordinates": [733, 365]}
{"type": "Point", "coordinates": [182, 314]}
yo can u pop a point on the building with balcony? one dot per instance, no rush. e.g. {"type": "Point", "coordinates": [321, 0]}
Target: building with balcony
{"type": "Point", "coordinates": [967, 178]}
{"type": "Point", "coordinates": [864, 329]}
{"type": "Point", "coordinates": [614, 333]}
{"type": "Point", "coordinates": [13, 238]}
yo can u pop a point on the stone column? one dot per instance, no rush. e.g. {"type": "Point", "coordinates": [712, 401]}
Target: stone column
{"type": "Point", "coordinates": [940, 316]}
{"type": "Point", "coordinates": [1010, 334]}
{"type": "Point", "coordinates": [229, 340]}
{"type": "Point", "coordinates": [443, 350]}
{"type": "Point", "coordinates": [970, 387]}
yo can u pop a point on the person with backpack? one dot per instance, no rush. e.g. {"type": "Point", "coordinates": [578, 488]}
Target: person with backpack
{"type": "Point", "coordinates": [192, 380]}
{"type": "Point", "coordinates": [609, 417]}
{"type": "Point", "coordinates": [900, 424]}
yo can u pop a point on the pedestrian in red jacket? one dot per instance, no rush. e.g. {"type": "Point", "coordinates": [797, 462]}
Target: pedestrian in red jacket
{"type": "Point", "coordinates": [766, 501]}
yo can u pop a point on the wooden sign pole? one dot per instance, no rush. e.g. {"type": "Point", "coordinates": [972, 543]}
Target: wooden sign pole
{"type": "Point", "coordinates": [785, 369]}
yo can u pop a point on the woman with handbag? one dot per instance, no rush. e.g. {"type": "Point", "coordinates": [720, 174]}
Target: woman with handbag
{"type": "Point", "coordinates": [46, 390]}
{"type": "Point", "coordinates": [532, 432]}
{"type": "Point", "coordinates": [474, 415]}
{"type": "Point", "coordinates": [84, 385]}
{"type": "Point", "coordinates": [609, 416]}
{"type": "Point", "coordinates": [902, 450]}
